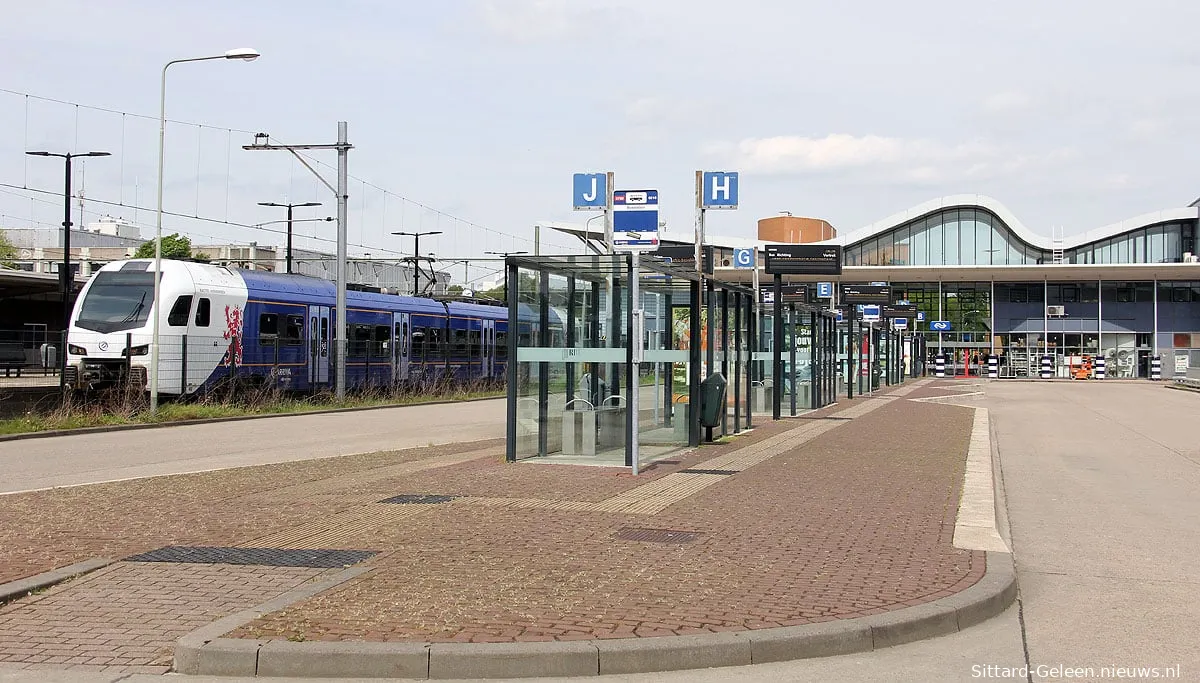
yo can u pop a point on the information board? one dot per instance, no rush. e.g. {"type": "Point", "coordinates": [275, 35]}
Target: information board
{"type": "Point", "coordinates": [803, 259]}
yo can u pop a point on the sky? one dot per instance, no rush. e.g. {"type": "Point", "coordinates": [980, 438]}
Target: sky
{"type": "Point", "coordinates": [1072, 114]}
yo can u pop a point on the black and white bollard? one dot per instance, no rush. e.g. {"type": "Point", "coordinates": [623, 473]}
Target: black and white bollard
{"type": "Point", "coordinates": [993, 366]}
{"type": "Point", "coordinates": [1100, 367]}
{"type": "Point", "coordinates": [1156, 368]}
{"type": "Point", "coordinates": [939, 365]}
{"type": "Point", "coordinates": [1047, 367]}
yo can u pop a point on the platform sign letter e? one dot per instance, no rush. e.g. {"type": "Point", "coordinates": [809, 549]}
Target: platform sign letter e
{"type": "Point", "coordinates": [720, 190]}
{"type": "Point", "coordinates": [590, 191]}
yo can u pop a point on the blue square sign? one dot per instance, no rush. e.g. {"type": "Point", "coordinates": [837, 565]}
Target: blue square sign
{"type": "Point", "coordinates": [590, 191]}
{"type": "Point", "coordinates": [719, 190]}
{"type": "Point", "coordinates": [743, 258]}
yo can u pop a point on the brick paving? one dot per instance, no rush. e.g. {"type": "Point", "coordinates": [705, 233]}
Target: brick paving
{"type": "Point", "coordinates": [128, 616]}
{"type": "Point", "coordinates": [856, 520]}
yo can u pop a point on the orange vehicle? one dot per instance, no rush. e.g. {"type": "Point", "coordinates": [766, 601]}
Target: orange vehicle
{"type": "Point", "coordinates": [1083, 370]}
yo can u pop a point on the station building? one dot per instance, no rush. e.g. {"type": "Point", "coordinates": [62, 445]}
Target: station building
{"type": "Point", "coordinates": [1129, 291]}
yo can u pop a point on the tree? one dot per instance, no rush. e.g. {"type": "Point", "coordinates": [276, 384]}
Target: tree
{"type": "Point", "coordinates": [174, 246]}
{"type": "Point", "coordinates": [8, 253]}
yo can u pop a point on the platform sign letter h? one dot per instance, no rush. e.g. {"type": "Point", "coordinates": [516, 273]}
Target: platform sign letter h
{"type": "Point", "coordinates": [720, 190]}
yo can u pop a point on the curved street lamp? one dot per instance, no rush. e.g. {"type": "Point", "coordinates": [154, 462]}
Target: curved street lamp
{"type": "Point", "coordinates": [245, 54]}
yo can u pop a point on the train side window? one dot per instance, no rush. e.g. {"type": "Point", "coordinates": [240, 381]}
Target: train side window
{"type": "Point", "coordinates": [293, 331]}
{"type": "Point", "coordinates": [202, 311]}
{"type": "Point", "coordinates": [268, 328]}
{"type": "Point", "coordinates": [418, 343]}
{"type": "Point", "coordinates": [434, 349]}
{"type": "Point", "coordinates": [360, 338]}
{"type": "Point", "coordinates": [380, 346]}
{"type": "Point", "coordinates": [476, 348]}
{"type": "Point", "coordinates": [501, 344]}
{"type": "Point", "coordinates": [178, 317]}
{"type": "Point", "coordinates": [460, 342]}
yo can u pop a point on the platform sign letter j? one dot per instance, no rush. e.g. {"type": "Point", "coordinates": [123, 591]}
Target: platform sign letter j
{"type": "Point", "coordinates": [590, 191]}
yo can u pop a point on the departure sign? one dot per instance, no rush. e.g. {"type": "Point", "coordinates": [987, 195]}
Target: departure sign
{"type": "Point", "coordinates": [866, 294]}
{"type": "Point", "coordinates": [803, 259]}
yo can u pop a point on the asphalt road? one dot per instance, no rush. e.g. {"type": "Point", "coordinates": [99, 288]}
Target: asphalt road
{"type": "Point", "coordinates": [91, 458]}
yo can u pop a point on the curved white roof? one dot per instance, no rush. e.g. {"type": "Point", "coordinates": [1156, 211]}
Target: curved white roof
{"type": "Point", "coordinates": [972, 201]}
{"type": "Point", "coordinates": [957, 201]}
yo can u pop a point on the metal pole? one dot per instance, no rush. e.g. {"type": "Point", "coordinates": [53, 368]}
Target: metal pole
{"type": "Point", "coordinates": [162, 132]}
{"type": "Point", "coordinates": [777, 349]}
{"type": "Point", "coordinates": [636, 316]}
{"type": "Point", "coordinates": [66, 278]}
{"type": "Point", "coordinates": [341, 328]}
{"type": "Point", "coordinates": [289, 239]}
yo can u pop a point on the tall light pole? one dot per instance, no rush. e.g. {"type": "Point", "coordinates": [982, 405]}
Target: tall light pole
{"type": "Point", "coordinates": [417, 257]}
{"type": "Point", "coordinates": [343, 147]}
{"type": "Point", "coordinates": [504, 285]}
{"type": "Point", "coordinates": [289, 225]}
{"type": "Point", "coordinates": [66, 275]}
{"type": "Point", "coordinates": [245, 54]}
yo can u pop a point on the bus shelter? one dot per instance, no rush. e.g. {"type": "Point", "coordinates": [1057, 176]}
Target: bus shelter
{"type": "Point", "coordinates": [583, 389]}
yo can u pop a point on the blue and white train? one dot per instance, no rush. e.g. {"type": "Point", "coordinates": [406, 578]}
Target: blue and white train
{"type": "Point", "coordinates": [273, 329]}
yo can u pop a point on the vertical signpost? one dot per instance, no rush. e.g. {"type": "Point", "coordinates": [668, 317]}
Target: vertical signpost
{"type": "Point", "coordinates": [634, 230]}
{"type": "Point", "coordinates": [714, 190]}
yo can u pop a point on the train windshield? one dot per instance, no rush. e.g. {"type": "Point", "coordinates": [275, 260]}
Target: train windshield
{"type": "Point", "coordinates": [117, 301]}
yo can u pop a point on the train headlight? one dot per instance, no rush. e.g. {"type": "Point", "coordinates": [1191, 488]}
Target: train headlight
{"type": "Point", "coordinates": [75, 350]}
{"type": "Point", "coordinates": [142, 350]}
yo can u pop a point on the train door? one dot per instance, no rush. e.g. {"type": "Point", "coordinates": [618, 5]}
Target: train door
{"type": "Point", "coordinates": [488, 342]}
{"type": "Point", "coordinates": [319, 328]}
{"type": "Point", "coordinates": [401, 347]}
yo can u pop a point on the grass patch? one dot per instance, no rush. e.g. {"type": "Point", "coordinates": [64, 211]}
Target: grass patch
{"type": "Point", "coordinates": [125, 408]}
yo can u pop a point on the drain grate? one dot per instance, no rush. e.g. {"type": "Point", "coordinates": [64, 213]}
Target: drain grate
{"type": "Point", "coordinates": [419, 499]}
{"type": "Point", "coordinates": [700, 471]}
{"type": "Point", "coordinates": [318, 558]}
{"type": "Point", "coordinates": [656, 535]}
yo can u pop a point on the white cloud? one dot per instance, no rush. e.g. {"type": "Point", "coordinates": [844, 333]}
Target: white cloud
{"type": "Point", "coordinates": [1006, 102]}
{"type": "Point", "coordinates": [532, 20]}
{"type": "Point", "coordinates": [797, 154]}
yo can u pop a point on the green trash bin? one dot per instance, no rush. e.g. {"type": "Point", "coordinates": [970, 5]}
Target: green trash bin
{"type": "Point", "coordinates": [712, 400]}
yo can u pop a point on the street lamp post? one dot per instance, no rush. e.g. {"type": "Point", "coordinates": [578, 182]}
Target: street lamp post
{"type": "Point", "coordinates": [289, 225]}
{"type": "Point", "coordinates": [245, 54]}
{"type": "Point", "coordinates": [417, 257]}
{"type": "Point", "coordinates": [504, 282]}
{"type": "Point", "coordinates": [66, 276]}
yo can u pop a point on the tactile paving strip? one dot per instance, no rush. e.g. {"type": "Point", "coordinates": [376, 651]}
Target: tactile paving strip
{"type": "Point", "coordinates": [268, 557]}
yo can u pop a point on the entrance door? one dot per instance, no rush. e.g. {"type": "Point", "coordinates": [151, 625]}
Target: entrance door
{"type": "Point", "coordinates": [319, 329]}
{"type": "Point", "coordinates": [488, 342]}
{"type": "Point", "coordinates": [400, 347]}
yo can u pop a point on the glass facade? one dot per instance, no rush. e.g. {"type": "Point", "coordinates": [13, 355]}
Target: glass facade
{"type": "Point", "coordinates": [949, 237]}
{"type": "Point", "coordinates": [977, 237]}
{"type": "Point", "coordinates": [1165, 243]}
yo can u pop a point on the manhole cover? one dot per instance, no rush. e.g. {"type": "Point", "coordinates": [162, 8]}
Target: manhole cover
{"type": "Point", "coordinates": [656, 535]}
{"type": "Point", "coordinates": [269, 557]}
{"type": "Point", "coordinates": [418, 499]}
{"type": "Point", "coordinates": [700, 471]}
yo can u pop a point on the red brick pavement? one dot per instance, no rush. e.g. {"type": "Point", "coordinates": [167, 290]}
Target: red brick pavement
{"type": "Point", "coordinates": [128, 616]}
{"type": "Point", "coordinates": [856, 521]}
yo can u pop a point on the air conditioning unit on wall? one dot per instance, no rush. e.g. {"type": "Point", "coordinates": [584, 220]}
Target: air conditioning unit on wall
{"type": "Point", "coordinates": [1056, 311]}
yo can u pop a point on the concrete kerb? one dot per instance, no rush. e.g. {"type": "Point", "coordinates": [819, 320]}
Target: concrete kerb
{"type": "Point", "coordinates": [202, 652]}
{"type": "Point", "coordinates": [49, 433]}
{"type": "Point", "coordinates": [22, 587]}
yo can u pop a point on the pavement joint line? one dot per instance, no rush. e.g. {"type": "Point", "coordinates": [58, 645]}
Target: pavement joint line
{"type": "Point", "coordinates": [23, 587]}
{"type": "Point", "coordinates": [205, 652]}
